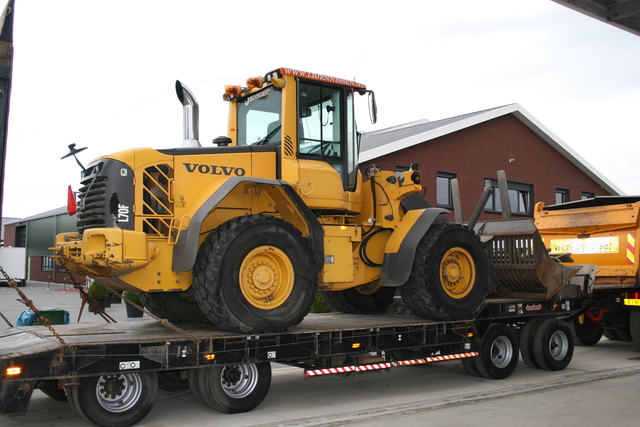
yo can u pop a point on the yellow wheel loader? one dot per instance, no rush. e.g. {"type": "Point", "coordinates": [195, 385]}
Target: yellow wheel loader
{"type": "Point", "coordinates": [244, 232]}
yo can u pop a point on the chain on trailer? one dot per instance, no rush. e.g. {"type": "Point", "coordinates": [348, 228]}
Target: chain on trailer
{"type": "Point", "coordinates": [26, 301]}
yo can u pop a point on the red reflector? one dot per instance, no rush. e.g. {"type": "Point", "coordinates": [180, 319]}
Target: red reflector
{"type": "Point", "coordinates": [71, 202]}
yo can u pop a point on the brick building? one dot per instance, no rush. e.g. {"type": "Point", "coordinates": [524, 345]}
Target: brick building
{"type": "Point", "coordinates": [539, 167]}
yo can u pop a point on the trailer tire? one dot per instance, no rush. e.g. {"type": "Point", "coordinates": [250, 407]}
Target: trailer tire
{"type": "Point", "coordinates": [366, 299]}
{"type": "Point", "coordinates": [587, 333]}
{"type": "Point", "coordinates": [115, 399]}
{"type": "Point", "coordinates": [470, 366]}
{"type": "Point", "coordinates": [634, 324]}
{"type": "Point", "coordinates": [553, 345]}
{"type": "Point", "coordinates": [450, 275]}
{"type": "Point", "coordinates": [173, 306]}
{"type": "Point", "coordinates": [172, 381]}
{"type": "Point", "coordinates": [255, 273]}
{"type": "Point", "coordinates": [498, 352]}
{"type": "Point", "coordinates": [234, 389]}
{"type": "Point", "coordinates": [527, 344]}
{"type": "Point", "coordinates": [51, 389]}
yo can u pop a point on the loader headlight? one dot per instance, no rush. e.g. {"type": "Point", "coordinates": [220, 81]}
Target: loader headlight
{"type": "Point", "coordinates": [415, 177]}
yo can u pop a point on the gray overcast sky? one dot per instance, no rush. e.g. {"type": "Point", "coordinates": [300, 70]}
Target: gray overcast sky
{"type": "Point", "coordinates": [101, 73]}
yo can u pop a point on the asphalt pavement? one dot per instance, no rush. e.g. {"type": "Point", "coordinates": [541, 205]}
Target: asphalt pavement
{"type": "Point", "coordinates": [599, 387]}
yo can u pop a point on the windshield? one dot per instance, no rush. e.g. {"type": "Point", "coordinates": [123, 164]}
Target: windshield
{"type": "Point", "coordinates": [259, 117]}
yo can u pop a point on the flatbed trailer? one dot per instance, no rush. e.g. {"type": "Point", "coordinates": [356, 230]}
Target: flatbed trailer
{"type": "Point", "coordinates": [110, 374]}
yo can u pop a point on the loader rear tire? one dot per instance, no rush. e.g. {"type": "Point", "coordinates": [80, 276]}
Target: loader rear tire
{"type": "Point", "coordinates": [255, 273]}
{"type": "Point", "coordinates": [366, 299]}
{"type": "Point", "coordinates": [450, 275]}
{"type": "Point", "coordinates": [173, 306]}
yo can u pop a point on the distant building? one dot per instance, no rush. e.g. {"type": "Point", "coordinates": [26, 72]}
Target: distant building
{"type": "Point", "coordinates": [473, 147]}
{"type": "Point", "coordinates": [37, 234]}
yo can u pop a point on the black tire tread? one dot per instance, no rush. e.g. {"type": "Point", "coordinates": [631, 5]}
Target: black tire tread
{"type": "Point", "coordinates": [417, 294]}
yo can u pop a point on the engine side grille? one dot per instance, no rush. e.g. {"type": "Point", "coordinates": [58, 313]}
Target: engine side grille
{"type": "Point", "coordinates": [92, 203]}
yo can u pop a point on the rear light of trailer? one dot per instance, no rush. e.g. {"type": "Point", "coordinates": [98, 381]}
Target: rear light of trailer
{"type": "Point", "coordinates": [13, 371]}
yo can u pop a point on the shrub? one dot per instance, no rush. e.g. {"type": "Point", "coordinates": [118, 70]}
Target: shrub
{"type": "Point", "coordinates": [132, 296]}
{"type": "Point", "coordinates": [320, 305]}
{"type": "Point", "coordinates": [98, 291]}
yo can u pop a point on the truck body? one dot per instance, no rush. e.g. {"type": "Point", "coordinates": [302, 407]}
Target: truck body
{"type": "Point", "coordinates": [14, 263]}
{"type": "Point", "coordinates": [600, 231]}
{"type": "Point", "coordinates": [110, 374]}
{"type": "Point", "coordinates": [243, 234]}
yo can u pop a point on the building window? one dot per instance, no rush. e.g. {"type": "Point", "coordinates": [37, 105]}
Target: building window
{"type": "Point", "coordinates": [47, 263]}
{"type": "Point", "coordinates": [587, 195]}
{"type": "Point", "coordinates": [21, 236]}
{"type": "Point", "coordinates": [520, 197]}
{"type": "Point", "coordinates": [562, 195]}
{"type": "Point", "coordinates": [443, 189]}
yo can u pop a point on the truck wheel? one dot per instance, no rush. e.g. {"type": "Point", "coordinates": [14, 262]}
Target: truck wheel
{"type": "Point", "coordinates": [498, 352]}
{"type": "Point", "coordinates": [553, 345]}
{"type": "Point", "coordinates": [450, 275]}
{"type": "Point", "coordinates": [611, 334]}
{"type": "Point", "coordinates": [255, 273]}
{"type": "Point", "coordinates": [527, 342]}
{"type": "Point", "coordinates": [115, 399]}
{"type": "Point", "coordinates": [587, 333]}
{"type": "Point", "coordinates": [366, 299]}
{"type": "Point", "coordinates": [634, 323]}
{"type": "Point", "coordinates": [172, 381]}
{"type": "Point", "coordinates": [173, 306]}
{"type": "Point", "coordinates": [234, 388]}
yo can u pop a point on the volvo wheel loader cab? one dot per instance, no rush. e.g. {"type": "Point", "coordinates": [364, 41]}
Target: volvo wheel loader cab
{"type": "Point", "coordinates": [245, 232]}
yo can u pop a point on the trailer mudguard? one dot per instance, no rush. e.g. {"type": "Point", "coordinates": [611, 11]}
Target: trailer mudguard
{"type": "Point", "coordinates": [401, 246]}
{"type": "Point", "coordinates": [15, 396]}
{"type": "Point", "coordinates": [186, 248]}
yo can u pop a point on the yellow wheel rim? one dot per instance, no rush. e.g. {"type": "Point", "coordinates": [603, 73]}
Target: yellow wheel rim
{"type": "Point", "coordinates": [457, 273]}
{"type": "Point", "coordinates": [369, 288]}
{"type": "Point", "coordinates": [266, 277]}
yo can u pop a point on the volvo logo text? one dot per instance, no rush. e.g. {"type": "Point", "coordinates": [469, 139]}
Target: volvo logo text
{"type": "Point", "coordinates": [214, 170]}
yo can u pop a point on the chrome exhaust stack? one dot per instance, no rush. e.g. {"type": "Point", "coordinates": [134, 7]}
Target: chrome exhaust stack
{"type": "Point", "coordinates": [190, 116]}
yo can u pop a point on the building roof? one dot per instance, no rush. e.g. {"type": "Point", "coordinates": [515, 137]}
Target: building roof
{"type": "Point", "coordinates": [47, 214]}
{"type": "Point", "coordinates": [624, 14]}
{"type": "Point", "coordinates": [385, 141]}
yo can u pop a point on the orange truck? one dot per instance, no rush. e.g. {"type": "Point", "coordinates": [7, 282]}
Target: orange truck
{"type": "Point", "coordinates": [600, 231]}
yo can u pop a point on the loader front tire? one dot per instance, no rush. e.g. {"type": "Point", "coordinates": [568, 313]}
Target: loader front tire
{"type": "Point", "coordinates": [450, 275]}
{"type": "Point", "coordinates": [173, 306]}
{"type": "Point", "coordinates": [366, 299]}
{"type": "Point", "coordinates": [255, 273]}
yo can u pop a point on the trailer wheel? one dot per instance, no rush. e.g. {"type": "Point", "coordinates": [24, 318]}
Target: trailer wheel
{"type": "Point", "coordinates": [634, 323]}
{"type": "Point", "coordinates": [498, 352]}
{"type": "Point", "coordinates": [527, 342]}
{"type": "Point", "coordinates": [172, 381]}
{"type": "Point", "coordinates": [587, 333]}
{"type": "Point", "coordinates": [366, 299]}
{"type": "Point", "coordinates": [470, 366]}
{"type": "Point", "coordinates": [553, 345]}
{"type": "Point", "coordinates": [234, 388]}
{"type": "Point", "coordinates": [450, 275]}
{"type": "Point", "coordinates": [51, 389]}
{"type": "Point", "coordinates": [255, 273]}
{"type": "Point", "coordinates": [173, 306]}
{"type": "Point", "coordinates": [115, 399]}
